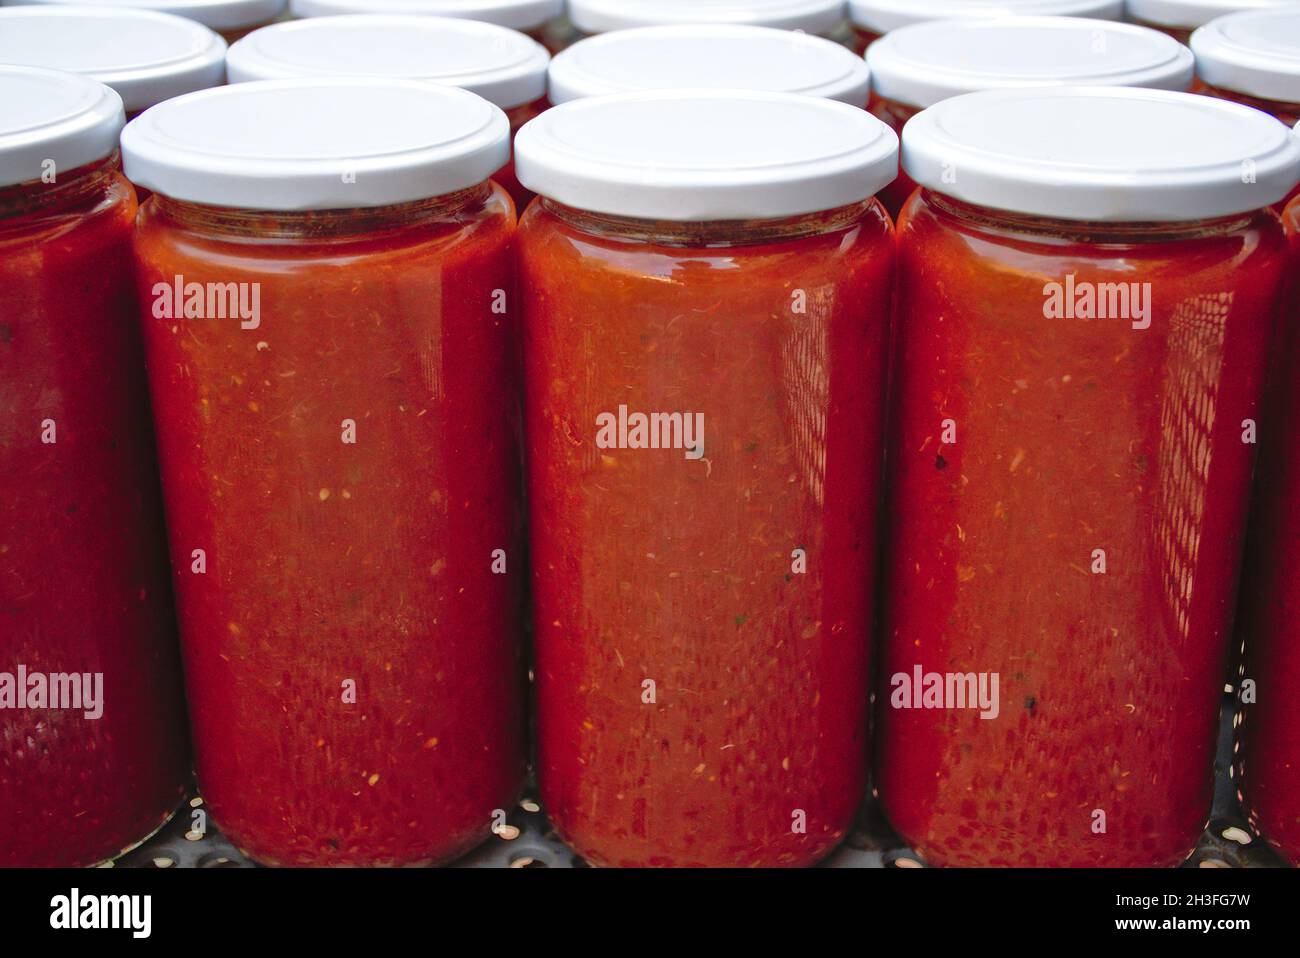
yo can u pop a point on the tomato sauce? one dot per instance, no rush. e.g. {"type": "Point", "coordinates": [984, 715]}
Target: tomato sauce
{"type": "Point", "coordinates": [653, 567]}
{"type": "Point", "coordinates": [83, 567]}
{"type": "Point", "coordinates": [1268, 725]}
{"type": "Point", "coordinates": [1071, 436]}
{"type": "Point", "coordinates": [335, 566]}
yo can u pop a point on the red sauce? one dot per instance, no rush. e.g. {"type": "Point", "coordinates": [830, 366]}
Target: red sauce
{"type": "Point", "coordinates": [1268, 757]}
{"type": "Point", "coordinates": [1072, 435]}
{"type": "Point", "coordinates": [863, 38]}
{"type": "Point", "coordinates": [330, 562]}
{"type": "Point", "coordinates": [894, 114]}
{"type": "Point", "coordinates": [83, 566]}
{"type": "Point", "coordinates": [651, 566]}
{"type": "Point", "coordinates": [505, 176]}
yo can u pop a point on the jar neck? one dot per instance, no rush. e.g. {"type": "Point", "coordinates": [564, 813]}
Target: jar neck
{"type": "Point", "coordinates": [710, 233]}
{"type": "Point", "coordinates": [1284, 110]}
{"type": "Point", "coordinates": [1077, 231]}
{"type": "Point", "coordinates": [63, 193]}
{"type": "Point", "coordinates": [342, 224]}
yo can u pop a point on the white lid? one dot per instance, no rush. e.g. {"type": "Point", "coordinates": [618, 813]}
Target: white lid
{"type": "Point", "coordinates": [1191, 13]}
{"type": "Point", "coordinates": [325, 143]}
{"type": "Point", "coordinates": [146, 57]}
{"type": "Point", "coordinates": [519, 14]}
{"type": "Point", "coordinates": [599, 16]}
{"type": "Point", "coordinates": [697, 155]}
{"type": "Point", "coordinates": [928, 62]}
{"type": "Point", "coordinates": [499, 64]}
{"type": "Point", "coordinates": [217, 14]}
{"type": "Point", "coordinates": [1109, 154]}
{"type": "Point", "coordinates": [49, 115]}
{"type": "Point", "coordinates": [1256, 53]}
{"type": "Point", "coordinates": [881, 16]}
{"type": "Point", "coordinates": [725, 55]}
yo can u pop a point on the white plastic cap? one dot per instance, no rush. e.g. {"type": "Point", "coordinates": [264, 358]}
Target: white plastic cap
{"type": "Point", "coordinates": [1187, 14]}
{"type": "Point", "coordinates": [600, 16]}
{"type": "Point", "coordinates": [518, 14]}
{"type": "Point", "coordinates": [146, 57]}
{"type": "Point", "coordinates": [217, 14]}
{"type": "Point", "coordinates": [501, 65]}
{"type": "Point", "coordinates": [1103, 154]}
{"type": "Point", "coordinates": [928, 62]}
{"type": "Point", "coordinates": [1256, 53]}
{"type": "Point", "coordinates": [698, 155]}
{"type": "Point", "coordinates": [331, 143]}
{"type": "Point", "coordinates": [881, 16]}
{"type": "Point", "coordinates": [730, 56]}
{"type": "Point", "coordinates": [49, 116]}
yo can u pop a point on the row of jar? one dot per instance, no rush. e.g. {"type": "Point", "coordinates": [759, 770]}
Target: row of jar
{"type": "Point", "coordinates": [148, 57]}
{"type": "Point", "coordinates": [558, 22]}
{"type": "Point", "coordinates": [348, 346]}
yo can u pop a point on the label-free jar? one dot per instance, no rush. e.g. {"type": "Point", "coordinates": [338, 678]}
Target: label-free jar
{"type": "Point", "coordinates": [93, 754]}
{"type": "Point", "coordinates": [1179, 18]}
{"type": "Point", "coordinates": [1253, 58]}
{"type": "Point", "coordinates": [146, 56]}
{"type": "Point", "coordinates": [1267, 757]}
{"type": "Point", "coordinates": [917, 66]}
{"type": "Point", "coordinates": [325, 281]}
{"type": "Point", "coordinates": [230, 18]}
{"type": "Point", "coordinates": [706, 283]}
{"type": "Point", "coordinates": [1087, 286]}
{"type": "Point", "coordinates": [708, 55]}
{"type": "Point", "coordinates": [501, 65]}
{"type": "Point", "coordinates": [872, 19]}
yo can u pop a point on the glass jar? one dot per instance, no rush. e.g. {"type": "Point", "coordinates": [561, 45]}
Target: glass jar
{"type": "Point", "coordinates": [89, 772]}
{"type": "Point", "coordinates": [1080, 356]}
{"type": "Point", "coordinates": [733, 56]}
{"type": "Point", "coordinates": [917, 66]}
{"type": "Point", "coordinates": [1253, 58]}
{"type": "Point", "coordinates": [230, 18]}
{"type": "Point", "coordinates": [1268, 726]}
{"type": "Point", "coordinates": [1179, 18]}
{"type": "Point", "coordinates": [872, 19]}
{"type": "Point", "coordinates": [706, 297]}
{"type": "Point", "coordinates": [818, 17]}
{"type": "Point", "coordinates": [537, 18]}
{"type": "Point", "coordinates": [499, 64]}
{"type": "Point", "coordinates": [334, 376]}
{"type": "Point", "coordinates": [144, 55]}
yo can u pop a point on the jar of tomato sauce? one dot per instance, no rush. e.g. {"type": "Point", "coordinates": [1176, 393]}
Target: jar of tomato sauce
{"type": "Point", "coordinates": [1253, 57]}
{"type": "Point", "coordinates": [734, 56]}
{"type": "Point", "coordinates": [93, 751]}
{"type": "Point", "coordinates": [146, 56]}
{"type": "Point", "coordinates": [533, 17]}
{"type": "Point", "coordinates": [706, 283]}
{"type": "Point", "coordinates": [230, 18]}
{"type": "Point", "coordinates": [499, 64]}
{"type": "Point", "coordinates": [325, 274]}
{"type": "Point", "coordinates": [1179, 18]}
{"type": "Point", "coordinates": [1267, 756]}
{"type": "Point", "coordinates": [1088, 279]}
{"type": "Point", "coordinates": [919, 65]}
{"type": "Point", "coordinates": [823, 17]}
{"type": "Point", "coordinates": [872, 19]}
